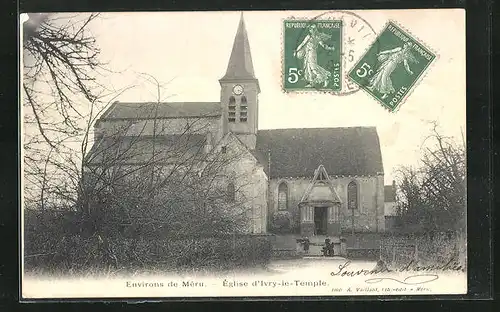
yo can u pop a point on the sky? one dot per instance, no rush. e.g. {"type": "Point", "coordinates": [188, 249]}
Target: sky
{"type": "Point", "coordinates": [189, 52]}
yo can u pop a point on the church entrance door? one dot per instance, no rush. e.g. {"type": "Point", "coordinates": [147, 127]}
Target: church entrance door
{"type": "Point", "coordinates": [320, 220]}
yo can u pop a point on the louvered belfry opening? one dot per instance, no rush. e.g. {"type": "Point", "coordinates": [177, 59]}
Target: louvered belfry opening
{"type": "Point", "coordinates": [231, 109]}
{"type": "Point", "coordinates": [243, 109]}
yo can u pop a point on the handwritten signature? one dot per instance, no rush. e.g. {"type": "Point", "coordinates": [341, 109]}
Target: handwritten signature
{"type": "Point", "coordinates": [415, 279]}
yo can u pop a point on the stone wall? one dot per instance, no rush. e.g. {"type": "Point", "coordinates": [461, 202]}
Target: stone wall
{"type": "Point", "coordinates": [423, 248]}
{"type": "Point", "coordinates": [392, 222]}
{"type": "Point", "coordinates": [250, 182]}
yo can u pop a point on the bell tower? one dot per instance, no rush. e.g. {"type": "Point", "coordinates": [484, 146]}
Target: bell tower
{"type": "Point", "coordinates": [240, 90]}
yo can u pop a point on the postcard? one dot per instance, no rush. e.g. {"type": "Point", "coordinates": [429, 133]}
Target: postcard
{"type": "Point", "coordinates": [248, 154]}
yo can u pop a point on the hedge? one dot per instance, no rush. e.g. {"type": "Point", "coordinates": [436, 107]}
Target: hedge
{"type": "Point", "coordinates": [52, 244]}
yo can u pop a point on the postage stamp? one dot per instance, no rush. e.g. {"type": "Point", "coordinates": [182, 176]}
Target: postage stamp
{"type": "Point", "coordinates": [312, 55]}
{"type": "Point", "coordinates": [392, 66]}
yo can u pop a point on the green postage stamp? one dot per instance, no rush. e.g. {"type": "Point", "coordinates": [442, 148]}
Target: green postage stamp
{"type": "Point", "coordinates": [392, 66]}
{"type": "Point", "coordinates": [312, 55]}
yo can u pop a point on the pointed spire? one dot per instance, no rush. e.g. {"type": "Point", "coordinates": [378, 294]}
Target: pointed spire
{"type": "Point", "coordinates": [240, 63]}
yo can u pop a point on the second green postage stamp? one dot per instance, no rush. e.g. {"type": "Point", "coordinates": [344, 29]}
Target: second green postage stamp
{"type": "Point", "coordinates": [392, 66]}
{"type": "Point", "coordinates": [312, 51]}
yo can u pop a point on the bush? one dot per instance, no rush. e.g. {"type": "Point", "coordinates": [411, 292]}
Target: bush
{"type": "Point", "coordinates": [282, 222]}
{"type": "Point", "coordinates": [52, 244]}
{"type": "Point", "coordinates": [224, 252]}
{"type": "Point", "coordinates": [431, 248]}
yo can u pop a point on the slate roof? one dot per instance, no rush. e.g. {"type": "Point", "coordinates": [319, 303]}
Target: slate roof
{"type": "Point", "coordinates": [342, 151]}
{"type": "Point", "coordinates": [389, 194]}
{"type": "Point", "coordinates": [262, 159]}
{"type": "Point", "coordinates": [240, 62]}
{"type": "Point", "coordinates": [148, 110]}
{"type": "Point", "coordinates": [138, 150]}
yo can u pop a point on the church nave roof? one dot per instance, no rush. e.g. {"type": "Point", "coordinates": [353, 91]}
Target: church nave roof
{"type": "Point", "coordinates": [342, 151]}
{"type": "Point", "coordinates": [148, 110]}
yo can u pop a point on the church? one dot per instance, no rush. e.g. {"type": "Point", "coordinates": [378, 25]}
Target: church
{"type": "Point", "coordinates": [309, 182]}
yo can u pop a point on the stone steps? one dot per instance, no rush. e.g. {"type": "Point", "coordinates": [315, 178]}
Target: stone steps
{"type": "Point", "coordinates": [288, 243]}
{"type": "Point", "coordinates": [315, 250]}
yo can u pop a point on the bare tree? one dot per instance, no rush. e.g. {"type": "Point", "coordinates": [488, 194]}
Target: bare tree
{"type": "Point", "coordinates": [60, 67]}
{"type": "Point", "coordinates": [154, 177]}
{"type": "Point", "coordinates": [60, 87]}
{"type": "Point", "coordinates": [141, 166]}
{"type": "Point", "coordinates": [433, 195]}
{"type": "Point", "coordinates": [137, 179]}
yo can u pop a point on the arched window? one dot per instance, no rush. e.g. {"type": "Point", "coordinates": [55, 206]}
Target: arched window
{"type": "Point", "coordinates": [231, 109]}
{"type": "Point", "coordinates": [282, 196]}
{"type": "Point", "coordinates": [231, 192]}
{"type": "Point", "coordinates": [243, 109]}
{"type": "Point", "coordinates": [352, 195]}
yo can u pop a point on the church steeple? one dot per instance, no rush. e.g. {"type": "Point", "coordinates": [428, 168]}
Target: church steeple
{"type": "Point", "coordinates": [239, 91]}
{"type": "Point", "coordinates": [240, 63]}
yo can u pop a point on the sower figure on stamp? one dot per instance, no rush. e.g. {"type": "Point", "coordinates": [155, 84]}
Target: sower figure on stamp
{"type": "Point", "coordinates": [389, 60]}
{"type": "Point", "coordinates": [307, 51]}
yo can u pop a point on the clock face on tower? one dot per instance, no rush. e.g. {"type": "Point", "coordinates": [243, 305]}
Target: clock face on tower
{"type": "Point", "coordinates": [237, 89]}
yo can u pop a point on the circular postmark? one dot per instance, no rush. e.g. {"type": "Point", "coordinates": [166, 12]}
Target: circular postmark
{"type": "Point", "coordinates": [357, 36]}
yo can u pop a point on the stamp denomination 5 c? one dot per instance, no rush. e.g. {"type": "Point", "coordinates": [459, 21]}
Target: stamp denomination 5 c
{"type": "Point", "coordinates": [392, 66]}
{"type": "Point", "coordinates": [312, 55]}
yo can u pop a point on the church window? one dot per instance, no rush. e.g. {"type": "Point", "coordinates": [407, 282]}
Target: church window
{"type": "Point", "coordinates": [231, 192]}
{"type": "Point", "coordinates": [232, 109]}
{"type": "Point", "coordinates": [352, 195]}
{"type": "Point", "coordinates": [243, 109]}
{"type": "Point", "coordinates": [282, 196]}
